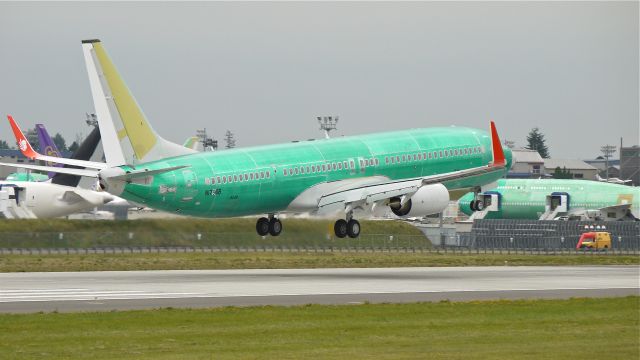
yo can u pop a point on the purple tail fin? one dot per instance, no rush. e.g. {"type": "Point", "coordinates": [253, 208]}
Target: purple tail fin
{"type": "Point", "coordinates": [47, 146]}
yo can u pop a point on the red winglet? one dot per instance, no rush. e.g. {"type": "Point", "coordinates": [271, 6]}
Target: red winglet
{"type": "Point", "coordinates": [498, 153]}
{"type": "Point", "coordinates": [23, 143]}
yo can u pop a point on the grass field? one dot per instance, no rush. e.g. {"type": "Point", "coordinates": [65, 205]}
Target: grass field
{"type": "Point", "coordinates": [260, 260]}
{"type": "Point", "coordinates": [226, 233]}
{"type": "Point", "coordinates": [540, 329]}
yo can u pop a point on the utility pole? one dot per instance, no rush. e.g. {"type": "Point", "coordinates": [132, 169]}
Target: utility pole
{"type": "Point", "coordinates": [230, 140]}
{"type": "Point", "coordinates": [328, 123]}
{"type": "Point", "coordinates": [607, 151]}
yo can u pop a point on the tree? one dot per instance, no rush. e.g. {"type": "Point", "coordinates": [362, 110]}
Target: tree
{"type": "Point", "coordinates": [60, 142]}
{"type": "Point", "coordinates": [4, 145]}
{"type": "Point", "coordinates": [74, 146]}
{"type": "Point", "coordinates": [562, 173]}
{"type": "Point", "coordinates": [536, 141]}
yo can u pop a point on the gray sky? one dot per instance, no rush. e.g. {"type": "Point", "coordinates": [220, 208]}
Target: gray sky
{"type": "Point", "coordinates": [266, 70]}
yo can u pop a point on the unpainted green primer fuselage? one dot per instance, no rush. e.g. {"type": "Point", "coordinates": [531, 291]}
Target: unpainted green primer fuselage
{"type": "Point", "coordinates": [266, 179]}
{"type": "Point", "coordinates": [526, 198]}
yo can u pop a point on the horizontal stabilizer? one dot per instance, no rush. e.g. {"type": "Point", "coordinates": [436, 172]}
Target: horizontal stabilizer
{"type": "Point", "coordinates": [28, 151]}
{"type": "Point", "coordinates": [71, 171]}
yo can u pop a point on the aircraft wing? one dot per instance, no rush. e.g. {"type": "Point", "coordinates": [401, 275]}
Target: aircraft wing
{"type": "Point", "coordinates": [363, 194]}
{"type": "Point", "coordinates": [618, 207]}
{"type": "Point", "coordinates": [349, 194]}
{"type": "Point", "coordinates": [28, 151]}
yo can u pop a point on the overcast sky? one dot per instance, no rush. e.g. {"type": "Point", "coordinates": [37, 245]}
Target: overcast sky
{"type": "Point", "coordinates": [266, 70]}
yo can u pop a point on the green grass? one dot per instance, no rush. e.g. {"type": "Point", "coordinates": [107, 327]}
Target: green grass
{"type": "Point", "coordinates": [260, 260]}
{"type": "Point", "coordinates": [537, 329]}
{"type": "Point", "coordinates": [227, 233]}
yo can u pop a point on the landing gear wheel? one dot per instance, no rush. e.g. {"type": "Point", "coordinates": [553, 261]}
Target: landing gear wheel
{"type": "Point", "coordinates": [275, 227]}
{"type": "Point", "coordinates": [472, 205]}
{"type": "Point", "coordinates": [340, 228]}
{"type": "Point", "coordinates": [479, 205]}
{"type": "Point", "coordinates": [262, 226]}
{"type": "Point", "coordinates": [353, 228]}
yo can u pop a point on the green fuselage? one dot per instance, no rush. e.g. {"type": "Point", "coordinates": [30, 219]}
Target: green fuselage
{"type": "Point", "coordinates": [526, 198]}
{"type": "Point", "coordinates": [266, 179]}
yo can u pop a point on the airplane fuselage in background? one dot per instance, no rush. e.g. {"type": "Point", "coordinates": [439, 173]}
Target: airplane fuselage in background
{"type": "Point", "coordinates": [47, 200]}
{"type": "Point", "coordinates": [526, 198]}
{"type": "Point", "coordinates": [271, 179]}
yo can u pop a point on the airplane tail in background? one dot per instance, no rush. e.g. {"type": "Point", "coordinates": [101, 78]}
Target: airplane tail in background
{"type": "Point", "coordinates": [85, 152]}
{"type": "Point", "coordinates": [127, 136]}
{"type": "Point", "coordinates": [47, 146]}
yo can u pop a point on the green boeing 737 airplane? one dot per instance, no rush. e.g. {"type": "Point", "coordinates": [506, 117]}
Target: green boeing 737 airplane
{"type": "Point", "coordinates": [547, 199]}
{"type": "Point", "coordinates": [409, 171]}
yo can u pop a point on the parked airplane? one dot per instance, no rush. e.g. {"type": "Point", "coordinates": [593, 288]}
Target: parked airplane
{"type": "Point", "coordinates": [547, 199]}
{"type": "Point", "coordinates": [409, 171]}
{"type": "Point", "coordinates": [60, 196]}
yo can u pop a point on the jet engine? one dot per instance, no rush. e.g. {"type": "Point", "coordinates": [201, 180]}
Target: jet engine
{"type": "Point", "coordinates": [429, 199]}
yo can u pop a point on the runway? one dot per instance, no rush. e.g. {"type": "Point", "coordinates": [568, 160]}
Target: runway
{"type": "Point", "coordinates": [120, 290]}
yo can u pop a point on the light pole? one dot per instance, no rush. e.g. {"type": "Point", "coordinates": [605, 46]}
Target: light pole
{"type": "Point", "coordinates": [328, 123]}
{"type": "Point", "coordinates": [607, 151]}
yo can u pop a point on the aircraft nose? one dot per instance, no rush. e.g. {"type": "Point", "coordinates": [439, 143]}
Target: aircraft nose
{"type": "Point", "coordinates": [463, 203]}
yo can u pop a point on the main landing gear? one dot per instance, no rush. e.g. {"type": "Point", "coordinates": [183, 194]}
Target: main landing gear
{"type": "Point", "coordinates": [477, 204]}
{"type": "Point", "coordinates": [349, 227]}
{"type": "Point", "coordinates": [271, 226]}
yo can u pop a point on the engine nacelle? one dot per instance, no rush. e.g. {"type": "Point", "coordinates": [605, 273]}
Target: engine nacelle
{"type": "Point", "coordinates": [428, 200]}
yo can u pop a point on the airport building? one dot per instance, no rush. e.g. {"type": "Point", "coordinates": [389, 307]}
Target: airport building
{"type": "Point", "coordinates": [527, 164]}
{"type": "Point", "coordinates": [630, 164]}
{"type": "Point", "coordinates": [578, 168]}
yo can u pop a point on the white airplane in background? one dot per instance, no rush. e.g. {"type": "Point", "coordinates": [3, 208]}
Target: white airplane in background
{"type": "Point", "coordinates": [62, 195]}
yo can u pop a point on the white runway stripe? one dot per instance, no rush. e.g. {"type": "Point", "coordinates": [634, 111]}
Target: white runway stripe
{"type": "Point", "coordinates": [85, 294]}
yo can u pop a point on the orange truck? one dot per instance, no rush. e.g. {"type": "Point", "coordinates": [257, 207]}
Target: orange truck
{"type": "Point", "coordinates": [600, 240]}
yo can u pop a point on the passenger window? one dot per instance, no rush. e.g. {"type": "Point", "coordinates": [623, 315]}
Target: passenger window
{"type": "Point", "coordinates": [224, 179]}
{"type": "Point", "coordinates": [386, 159]}
{"type": "Point", "coordinates": [333, 166]}
{"type": "Point", "coordinates": [324, 167]}
{"type": "Point", "coordinates": [301, 170]}
{"type": "Point", "coordinates": [377, 161]}
{"type": "Point", "coordinates": [398, 158]}
{"type": "Point", "coordinates": [353, 164]}
{"type": "Point", "coordinates": [308, 170]}
{"type": "Point", "coordinates": [218, 179]}
{"type": "Point", "coordinates": [267, 174]}
{"type": "Point", "coordinates": [251, 176]}
{"type": "Point", "coordinates": [284, 172]}
{"type": "Point", "coordinates": [339, 166]}
{"type": "Point", "coordinates": [296, 171]}
{"type": "Point", "coordinates": [261, 174]}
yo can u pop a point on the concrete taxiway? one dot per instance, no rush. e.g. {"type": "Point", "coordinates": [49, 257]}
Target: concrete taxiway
{"type": "Point", "coordinates": [108, 290]}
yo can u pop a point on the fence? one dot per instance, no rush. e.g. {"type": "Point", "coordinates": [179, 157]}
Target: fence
{"type": "Point", "coordinates": [486, 236]}
{"type": "Point", "coordinates": [552, 235]}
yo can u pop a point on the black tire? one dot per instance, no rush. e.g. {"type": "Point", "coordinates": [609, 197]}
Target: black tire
{"type": "Point", "coordinates": [340, 228]}
{"type": "Point", "coordinates": [472, 205]}
{"type": "Point", "coordinates": [353, 228]}
{"type": "Point", "coordinates": [479, 205]}
{"type": "Point", "coordinates": [262, 226]}
{"type": "Point", "coordinates": [275, 227]}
